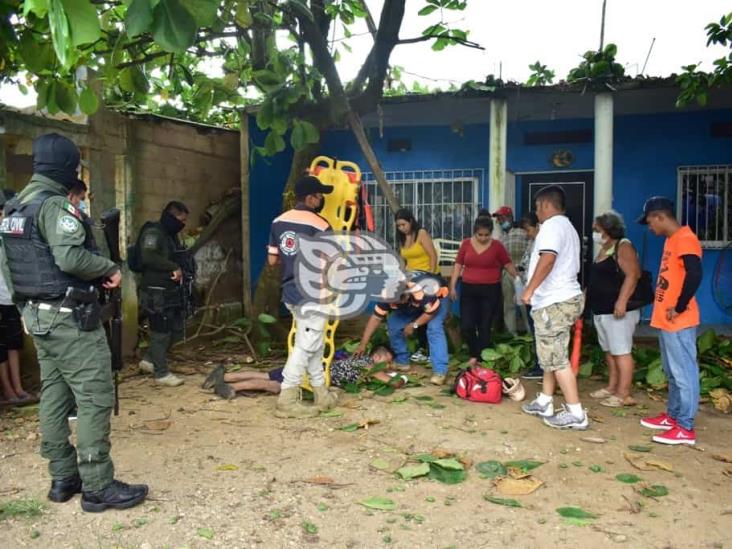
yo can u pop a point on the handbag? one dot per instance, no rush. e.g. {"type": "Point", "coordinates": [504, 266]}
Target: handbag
{"type": "Point", "coordinates": [478, 384]}
{"type": "Point", "coordinates": [643, 294]}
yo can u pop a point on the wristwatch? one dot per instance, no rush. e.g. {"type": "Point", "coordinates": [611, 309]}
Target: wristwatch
{"type": "Point", "coordinates": [415, 326]}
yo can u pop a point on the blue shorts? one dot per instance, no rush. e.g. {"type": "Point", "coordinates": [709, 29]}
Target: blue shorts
{"type": "Point", "coordinates": [276, 375]}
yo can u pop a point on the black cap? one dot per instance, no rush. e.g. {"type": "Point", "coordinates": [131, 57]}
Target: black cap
{"type": "Point", "coordinates": [309, 184]}
{"type": "Point", "coordinates": [655, 204]}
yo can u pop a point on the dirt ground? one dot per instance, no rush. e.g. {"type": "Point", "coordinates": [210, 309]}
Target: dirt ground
{"type": "Point", "coordinates": [231, 472]}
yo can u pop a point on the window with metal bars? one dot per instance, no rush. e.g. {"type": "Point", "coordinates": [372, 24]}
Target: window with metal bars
{"type": "Point", "coordinates": [705, 203]}
{"type": "Point", "coordinates": [445, 202]}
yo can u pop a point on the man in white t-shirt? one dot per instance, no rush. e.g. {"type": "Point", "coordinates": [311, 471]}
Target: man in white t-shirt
{"type": "Point", "coordinates": [556, 300]}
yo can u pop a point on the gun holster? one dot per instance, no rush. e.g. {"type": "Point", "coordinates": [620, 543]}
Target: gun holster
{"type": "Point", "coordinates": [86, 308]}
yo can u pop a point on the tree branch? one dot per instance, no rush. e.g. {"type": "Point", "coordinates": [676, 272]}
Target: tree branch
{"type": "Point", "coordinates": [369, 19]}
{"type": "Point", "coordinates": [322, 59]}
{"type": "Point", "coordinates": [426, 37]}
{"type": "Point", "coordinates": [387, 37]}
{"type": "Point", "coordinates": [143, 60]}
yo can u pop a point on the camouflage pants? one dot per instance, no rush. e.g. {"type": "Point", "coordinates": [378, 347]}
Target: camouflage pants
{"type": "Point", "coordinates": [552, 327]}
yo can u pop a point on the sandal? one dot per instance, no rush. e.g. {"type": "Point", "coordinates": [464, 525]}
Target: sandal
{"type": "Point", "coordinates": [601, 393]}
{"type": "Point", "coordinates": [616, 402]}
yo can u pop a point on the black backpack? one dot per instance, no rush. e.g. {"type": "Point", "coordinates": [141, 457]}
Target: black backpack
{"type": "Point", "coordinates": [134, 253]}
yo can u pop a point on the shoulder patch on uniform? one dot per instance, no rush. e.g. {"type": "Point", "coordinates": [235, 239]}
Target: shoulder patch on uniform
{"type": "Point", "coordinates": [68, 224]}
{"type": "Point", "coordinates": [69, 207]}
{"type": "Point", "coordinates": [150, 240]}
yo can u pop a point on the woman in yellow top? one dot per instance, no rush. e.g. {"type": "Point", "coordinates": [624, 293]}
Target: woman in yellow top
{"type": "Point", "coordinates": [415, 243]}
{"type": "Point", "coordinates": [418, 251]}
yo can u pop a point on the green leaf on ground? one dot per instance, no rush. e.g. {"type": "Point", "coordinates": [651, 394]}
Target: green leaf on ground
{"type": "Point", "coordinates": [425, 458]}
{"type": "Point", "coordinates": [449, 463]}
{"type": "Point", "coordinates": [380, 464]}
{"type": "Point", "coordinates": [140, 522]}
{"type": "Point", "coordinates": [206, 533]}
{"type": "Point", "coordinates": [309, 528]}
{"type": "Point", "coordinates": [628, 478]}
{"type": "Point", "coordinates": [508, 502]}
{"type": "Point", "coordinates": [491, 469]}
{"type": "Point", "coordinates": [376, 502]}
{"type": "Point", "coordinates": [447, 475]}
{"type": "Point", "coordinates": [655, 491]}
{"type": "Point", "coordinates": [596, 468]}
{"type": "Point", "coordinates": [331, 413]}
{"type": "Point", "coordinates": [575, 513]}
{"type": "Point", "coordinates": [264, 318]}
{"type": "Point", "coordinates": [413, 471]}
{"type": "Point", "coordinates": [525, 465]}
{"type": "Point", "coordinates": [27, 508]}
{"type": "Point", "coordinates": [350, 428]}
{"type": "Point", "coordinates": [424, 398]}
{"type": "Point", "coordinates": [639, 448]}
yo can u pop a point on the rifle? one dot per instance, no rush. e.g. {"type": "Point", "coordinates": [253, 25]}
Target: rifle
{"type": "Point", "coordinates": [187, 263]}
{"type": "Point", "coordinates": [113, 299]}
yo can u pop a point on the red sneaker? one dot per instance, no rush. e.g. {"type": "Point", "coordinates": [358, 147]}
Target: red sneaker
{"type": "Point", "coordinates": [663, 422]}
{"type": "Point", "coordinates": [677, 435]}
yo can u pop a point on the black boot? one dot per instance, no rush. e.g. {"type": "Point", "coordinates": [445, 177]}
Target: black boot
{"type": "Point", "coordinates": [215, 377]}
{"type": "Point", "coordinates": [117, 495]}
{"type": "Point", "coordinates": [64, 489]}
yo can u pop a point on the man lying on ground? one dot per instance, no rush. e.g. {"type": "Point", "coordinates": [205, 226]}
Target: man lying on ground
{"type": "Point", "coordinates": [342, 372]}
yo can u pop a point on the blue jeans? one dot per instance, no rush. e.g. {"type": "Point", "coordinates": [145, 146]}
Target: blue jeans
{"type": "Point", "coordinates": [678, 355]}
{"type": "Point", "coordinates": [435, 336]}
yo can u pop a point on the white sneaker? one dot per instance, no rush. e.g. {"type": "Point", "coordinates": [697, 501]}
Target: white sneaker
{"type": "Point", "coordinates": [419, 357]}
{"type": "Point", "coordinates": [146, 366]}
{"type": "Point", "coordinates": [535, 409]}
{"type": "Point", "coordinates": [169, 380]}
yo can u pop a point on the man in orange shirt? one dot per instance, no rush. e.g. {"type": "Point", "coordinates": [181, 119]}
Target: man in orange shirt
{"type": "Point", "coordinates": [676, 315]}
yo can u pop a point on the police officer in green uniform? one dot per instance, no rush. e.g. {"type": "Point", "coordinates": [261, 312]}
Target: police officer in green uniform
{"type": "Point", "coordinates": [52, 277]}
{"type": "Point", "coordinates": [166, 279]}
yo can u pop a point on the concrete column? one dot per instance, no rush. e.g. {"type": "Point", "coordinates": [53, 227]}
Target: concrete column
{"type": "Point", "coordinates": [603, 192]}
{"type": "Point", "coordinates": [497, 155]}
{"type": "Point", "coordinates": [125, 202]}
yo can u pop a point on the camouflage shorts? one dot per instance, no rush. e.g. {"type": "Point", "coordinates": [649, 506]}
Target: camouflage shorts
{"type": "Point", "coordinates": [552, 327]}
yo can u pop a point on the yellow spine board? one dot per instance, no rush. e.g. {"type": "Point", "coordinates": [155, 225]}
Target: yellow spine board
{"type": "Point", "coordinates": [340, 209]}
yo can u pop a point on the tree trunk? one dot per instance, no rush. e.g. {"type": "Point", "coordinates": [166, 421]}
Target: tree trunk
{"type": "Point", "coordinates": [354, 121]}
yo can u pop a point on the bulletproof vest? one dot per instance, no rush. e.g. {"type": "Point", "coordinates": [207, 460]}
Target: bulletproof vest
{"type": "Point", "coordinates": [33, 270]}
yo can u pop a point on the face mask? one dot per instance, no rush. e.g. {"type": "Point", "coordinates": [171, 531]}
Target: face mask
{"type": "Point", "coordinates": [319, 207]}
{"type": "Point", "coordinates": [83, 206]}
{"type": "Point", "coordinates": [506, 225]}
{"type": "Point", "coordinates": [171, 223]}
{"type": "Point", "coordinates": [597, 238]}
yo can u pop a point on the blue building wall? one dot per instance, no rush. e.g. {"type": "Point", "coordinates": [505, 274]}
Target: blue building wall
{"type": "Point", "coordinates": [648, 151]}
{"type": "Point", "coordinates": [267, 178]}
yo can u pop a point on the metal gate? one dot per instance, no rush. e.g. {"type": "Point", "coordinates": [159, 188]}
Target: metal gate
{"type": "Point", "coordinates": [446, 202]}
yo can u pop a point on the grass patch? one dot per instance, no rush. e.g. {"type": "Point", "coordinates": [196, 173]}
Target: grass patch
{"type": "Point", "coordinates": [26, 508]}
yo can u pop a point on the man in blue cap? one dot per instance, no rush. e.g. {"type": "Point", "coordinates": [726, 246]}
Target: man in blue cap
{"type": "Point", "coordinates": [676, 315]}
